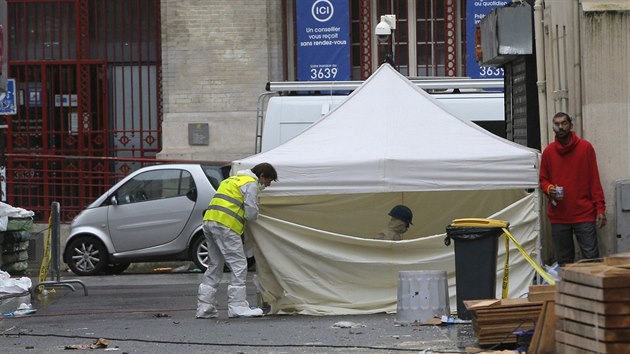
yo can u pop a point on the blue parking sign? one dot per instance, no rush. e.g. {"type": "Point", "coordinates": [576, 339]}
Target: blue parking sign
{"type": "Point", "coordinates": [7, 99]}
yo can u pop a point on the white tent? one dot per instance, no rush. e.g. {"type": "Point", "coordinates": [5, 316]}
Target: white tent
{"type": "Point", "coordinates": [389, 143]}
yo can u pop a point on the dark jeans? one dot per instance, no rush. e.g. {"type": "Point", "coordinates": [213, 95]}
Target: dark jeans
{"type": "Point", "coordinates": [586, 235]}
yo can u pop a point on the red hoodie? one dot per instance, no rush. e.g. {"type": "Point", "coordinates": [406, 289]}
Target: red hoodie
{"type": "Point", "coordinates": [573, 166]}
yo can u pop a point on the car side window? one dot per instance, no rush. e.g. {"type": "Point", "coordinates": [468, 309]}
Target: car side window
{"type": "Point", "coordinates": [158, 184]}
{"type": "Point", "coordinates": [214, 175]}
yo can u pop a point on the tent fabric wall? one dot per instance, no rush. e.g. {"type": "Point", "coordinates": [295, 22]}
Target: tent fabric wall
{"type": "Point", "coordinates": [389, 143]}
{"type": "Point", "coordinates": [313, 272]}
{"type": "Point", "coordinates": [365, 214]}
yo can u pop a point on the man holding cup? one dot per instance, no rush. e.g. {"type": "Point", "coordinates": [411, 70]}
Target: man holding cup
{"type": "Point", "coordinates": [570, 178]}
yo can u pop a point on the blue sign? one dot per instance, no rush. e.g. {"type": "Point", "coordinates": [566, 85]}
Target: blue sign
{"type": "Point", "coordinates": [323, 40]}
{"type": "Point", "coordinates": [476, 10]}
{"type": "Point", "coordinates": [7, 99]}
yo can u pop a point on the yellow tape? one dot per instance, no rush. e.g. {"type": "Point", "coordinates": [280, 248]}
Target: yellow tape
{"type": "Point", "coordinates": [506, 270]}
{"type": "Point", "coordinates": [538, 268]}
{"type": "Point", "coordinates": [44, 267]}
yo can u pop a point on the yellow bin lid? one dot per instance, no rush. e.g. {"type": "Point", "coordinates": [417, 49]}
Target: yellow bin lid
{"type": "Point", "coordinates": [480, 223]}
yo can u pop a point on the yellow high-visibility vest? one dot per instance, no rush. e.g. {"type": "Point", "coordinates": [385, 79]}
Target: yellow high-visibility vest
{"type": "Point", "coordinates": [227, 207]}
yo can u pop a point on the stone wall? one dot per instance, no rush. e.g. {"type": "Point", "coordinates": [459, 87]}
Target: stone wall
{"type": "Point", "coordinates": [217, 57]}
{"type": "Point", "coordinates": [605, 111]}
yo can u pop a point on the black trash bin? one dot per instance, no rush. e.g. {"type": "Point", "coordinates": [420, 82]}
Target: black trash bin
{"type": "Point", "coordinates": [476, 246]}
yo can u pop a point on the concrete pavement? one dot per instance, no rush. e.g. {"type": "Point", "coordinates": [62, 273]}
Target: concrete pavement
{"type": "Point", "coordinates": [155, 313]}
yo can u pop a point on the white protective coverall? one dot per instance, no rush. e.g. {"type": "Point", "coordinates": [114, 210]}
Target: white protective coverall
{"type": "Point", "coordinates": [225, 245]}
{"type": "Point", "coordinates": [394, 230]}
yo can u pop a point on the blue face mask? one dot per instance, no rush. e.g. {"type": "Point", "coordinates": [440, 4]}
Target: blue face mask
{"type": "Point", "coordinates": [261, 187]}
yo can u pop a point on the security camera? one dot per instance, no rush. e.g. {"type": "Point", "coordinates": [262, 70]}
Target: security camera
{"type": "Point", "coordinates": [383, 31]}
{"type": "Point", "coordinates": [384, 28]}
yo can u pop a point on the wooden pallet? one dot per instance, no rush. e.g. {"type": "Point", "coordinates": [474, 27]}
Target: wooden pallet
{"type": "Point", "coordinates": [494, 321]}
{"type": "Point", "coordinates": [590, 344]}
{"type": "Point", "coordinates": [619, 259]}
{"type": "Point", "coordinates": [544, 338]}
{"type": "Point", "coordinates": [542, 293]}
{"type": "Point", "coordinates": [594, 333]}
{"type": "Point", "coordinates": [592, 307]}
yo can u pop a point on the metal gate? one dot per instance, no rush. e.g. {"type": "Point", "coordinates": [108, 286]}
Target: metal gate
{"type": "Point", "coordinates": [88, 80]}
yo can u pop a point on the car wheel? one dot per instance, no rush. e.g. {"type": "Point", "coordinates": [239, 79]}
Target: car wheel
{"type": "Point", "coordinates": [86, 256]}
{"type": "Point", "coordinates": [199, 253]}
{"type": "Point", "coordinates": [116, 268]}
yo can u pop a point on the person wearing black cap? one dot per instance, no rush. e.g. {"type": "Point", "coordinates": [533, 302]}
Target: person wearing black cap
{"type": "Point", "coordinates": [398, 225]}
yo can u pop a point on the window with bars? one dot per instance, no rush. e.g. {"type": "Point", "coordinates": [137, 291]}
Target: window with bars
{"type": "Point", "coordinates": [429, 39]}
{"type": "Point", "coordinates": [88, 79]}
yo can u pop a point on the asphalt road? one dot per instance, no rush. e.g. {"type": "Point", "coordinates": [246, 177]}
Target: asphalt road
{"type": "Point", "coordinates": [155, 313]}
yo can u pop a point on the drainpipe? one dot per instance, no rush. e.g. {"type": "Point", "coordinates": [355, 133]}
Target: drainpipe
{"type": "Point", "coordinates": [577, 68]}
{"type": "Point", "coordinates": [541, 82]}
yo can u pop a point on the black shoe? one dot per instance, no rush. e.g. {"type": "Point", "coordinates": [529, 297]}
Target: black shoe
{"type": "Point", "coordinates": [251, 264]}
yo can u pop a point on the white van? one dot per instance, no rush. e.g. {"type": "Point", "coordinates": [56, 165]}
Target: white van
{"type": "Point", "coordinates": [287, 116]}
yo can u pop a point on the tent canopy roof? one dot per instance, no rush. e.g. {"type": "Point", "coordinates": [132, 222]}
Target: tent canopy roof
{"type": "Point", "coordinates": [391, 136]}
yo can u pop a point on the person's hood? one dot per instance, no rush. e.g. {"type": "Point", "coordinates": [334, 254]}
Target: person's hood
{"type": "Point", "coordinates": [247, 173]}
{"type": "Point", "coordinates": [565, 149]}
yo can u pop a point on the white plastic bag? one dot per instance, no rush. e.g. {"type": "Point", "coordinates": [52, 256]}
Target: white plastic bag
{"type": "Point", "coordinates": [10, 285]}
{"type": "Point", "coordinates": [7, 211]}
{"type": "Point", "coordinates": [552, 270]}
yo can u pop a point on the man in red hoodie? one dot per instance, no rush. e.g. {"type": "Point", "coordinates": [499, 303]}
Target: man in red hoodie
{"type": "Point", "coordinates": [570, 178]}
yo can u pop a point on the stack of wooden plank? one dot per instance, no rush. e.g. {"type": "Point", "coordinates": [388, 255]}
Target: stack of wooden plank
{"type": "Point", "coordinates": [495, 321]}
{"type": "Point", "coordinates": [544, 339]}
{"type": "Point", "coordinates": [593, 307]}
{"type": "Point", "coordinates": [539, 293]}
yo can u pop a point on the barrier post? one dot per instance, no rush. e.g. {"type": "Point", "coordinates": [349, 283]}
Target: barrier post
{"type": "Point", "coordinates": [55, 226]}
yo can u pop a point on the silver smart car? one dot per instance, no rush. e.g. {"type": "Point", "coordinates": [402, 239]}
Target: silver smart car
{"type": "Point", "coordinates": [154, 214]}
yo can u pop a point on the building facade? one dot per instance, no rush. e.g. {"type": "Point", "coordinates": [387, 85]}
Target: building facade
{"type": "Point", "coordinates": [102, 86]}
{"type": "Point", "coordinates": [581, 70]}
{"type": "Point", "coordinates": [88, 80]}
{"type": "Point", "coordinates": [218, 57]}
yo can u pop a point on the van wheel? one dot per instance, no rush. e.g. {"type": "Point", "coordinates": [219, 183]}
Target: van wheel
{"type": "Point", "coordinates": [86, 256]}
{"type": "Point", "coordinates": [199, 252]}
